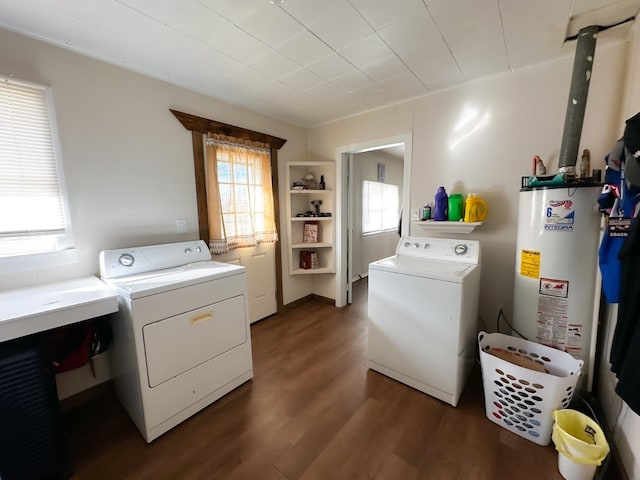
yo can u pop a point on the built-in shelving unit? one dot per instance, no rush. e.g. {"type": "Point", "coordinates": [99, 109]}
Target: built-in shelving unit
{"type": "Point", "coordinates": [302, 191]}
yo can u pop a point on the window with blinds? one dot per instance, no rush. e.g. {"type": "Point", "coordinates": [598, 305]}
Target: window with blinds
{"type": "Point", "coordinates": [33, 206]}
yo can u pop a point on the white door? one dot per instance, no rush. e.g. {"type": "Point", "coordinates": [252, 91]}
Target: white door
{"type": "Point", "coordinates": [260, 263]}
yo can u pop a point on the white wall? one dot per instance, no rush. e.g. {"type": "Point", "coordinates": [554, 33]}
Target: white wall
{"type": "Point", "coordinates": [128, 162]}
{"type": "Point", "coordinates": [624, 423]}
{"type": "Point", "coordinates": [370, 248]}
{"type": "Point", "coordinates": [525, 112]}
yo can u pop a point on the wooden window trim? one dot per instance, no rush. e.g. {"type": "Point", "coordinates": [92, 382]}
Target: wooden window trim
{"type": "Point", "coordinates": [199, 127]}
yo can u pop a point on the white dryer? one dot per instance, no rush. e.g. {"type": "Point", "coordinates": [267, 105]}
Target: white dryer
{"type": "Point", "coordinates": [423, 310]}
{"type": "Point", "coordinates": [181, 335]}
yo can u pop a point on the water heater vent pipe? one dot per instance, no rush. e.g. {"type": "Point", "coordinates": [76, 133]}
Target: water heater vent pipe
{"type": "Point", "coordinates": [579, 90]}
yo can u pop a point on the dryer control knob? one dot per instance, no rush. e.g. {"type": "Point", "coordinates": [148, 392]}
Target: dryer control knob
{"type": "Point", "coordinates": [126, 260]}
{"type": "Point", "coordinates": [460, 249]}
{"type": "Point", "coordinates": [187, 250]}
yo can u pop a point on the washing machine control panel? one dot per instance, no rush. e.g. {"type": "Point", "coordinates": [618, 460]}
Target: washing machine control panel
{"type": "Point", "coordinates": [448, 249]}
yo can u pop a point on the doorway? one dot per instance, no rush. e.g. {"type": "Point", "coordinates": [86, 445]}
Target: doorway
{"type": "Point", "coordinates": [349, 257]}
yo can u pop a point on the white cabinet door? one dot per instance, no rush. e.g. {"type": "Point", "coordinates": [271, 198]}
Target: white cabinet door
{"type": "Point", "coordinates": [260, 263]}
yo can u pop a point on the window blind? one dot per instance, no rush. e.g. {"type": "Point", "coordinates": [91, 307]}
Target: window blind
{"type": "Point", "coordinates": [30, 198]}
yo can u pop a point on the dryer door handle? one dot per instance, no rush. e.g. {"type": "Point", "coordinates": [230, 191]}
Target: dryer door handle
{"type": "Point", "coordinates": [201, 318]}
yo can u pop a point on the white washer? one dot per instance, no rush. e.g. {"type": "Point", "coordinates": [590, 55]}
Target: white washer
{"type": "Point", "coordinates": [181, 335]}
{"type": "Point", "coordinates": [423, 309]}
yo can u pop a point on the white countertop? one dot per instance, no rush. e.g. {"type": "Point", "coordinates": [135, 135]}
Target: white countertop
{"type": "Point", "coordinates": [35, 309]}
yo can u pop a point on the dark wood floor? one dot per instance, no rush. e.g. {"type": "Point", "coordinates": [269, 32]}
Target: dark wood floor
{"type": "Point", "coordinates": [312, 411]}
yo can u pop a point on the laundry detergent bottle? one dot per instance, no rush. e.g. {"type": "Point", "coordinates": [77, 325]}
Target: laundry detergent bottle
{"type": "Point", "coordinates": [456, 207]}
{"type": "Point", "coordinates": [441, 205]}
{"type": "Point", "coordinates": [476, 209]}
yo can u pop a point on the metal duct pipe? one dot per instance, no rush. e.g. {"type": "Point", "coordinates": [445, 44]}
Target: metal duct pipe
{"type": "Point", "coordinates": [582, 65]}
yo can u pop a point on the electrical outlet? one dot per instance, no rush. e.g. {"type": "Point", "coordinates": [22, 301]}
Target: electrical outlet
{"type": "Point", "coordinates": [415, 214]}
{"type": "Point", "coordinates": [181, 225]}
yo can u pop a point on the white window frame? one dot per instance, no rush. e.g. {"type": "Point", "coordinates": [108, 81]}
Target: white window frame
{"type": "Point", "coordinates": [55, 249]}
{"type": "Point", "coordinates": [365, 208]}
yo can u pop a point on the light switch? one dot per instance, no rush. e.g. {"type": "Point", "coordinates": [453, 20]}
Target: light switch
{"type": "Point", "coordinates": [181, 225]}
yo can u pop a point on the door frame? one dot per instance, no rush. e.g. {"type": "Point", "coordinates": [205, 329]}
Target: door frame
{"type": "Point", "coordinates": [344, 215]}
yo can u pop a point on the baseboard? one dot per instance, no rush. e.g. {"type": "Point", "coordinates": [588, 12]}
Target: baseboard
{"type": "Point", "coordinates": [327, 300]}
{"type": "Point", "coordinates": [308, 298]}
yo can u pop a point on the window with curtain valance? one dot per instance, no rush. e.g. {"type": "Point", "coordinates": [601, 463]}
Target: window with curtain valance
{"type": "Point", "coordinates": [239, 193]}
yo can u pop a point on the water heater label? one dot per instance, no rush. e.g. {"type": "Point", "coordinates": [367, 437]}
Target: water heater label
{"type": "Point", "coordinates": [554, 288]}
{"type": "Point", "coordinates": [530, 263]}
{"type": "Point", "coordinates": [559, 215]}
{"type": "Point", "coordinates": [552, 321]}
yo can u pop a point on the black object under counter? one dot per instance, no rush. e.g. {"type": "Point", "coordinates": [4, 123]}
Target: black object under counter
{"type": "Point", "coordinates": [31, 435]}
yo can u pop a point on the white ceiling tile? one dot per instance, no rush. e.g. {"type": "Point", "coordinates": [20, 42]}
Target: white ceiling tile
{"type": "Point", "coordinates": [307, 12]}
{"type": "Point", "coordinates": [405, 85]}
{"type": "Point", "coordinates": [379, 13]}
{"type": "Point", "coordinates": [407, 32]}
{"type": "Point", "coordinates": [235, 10]}
{"type": "Point", "coordinates": [582, 6]}
{"type": "Point", "coordinates": [609, 13]}
{"type": "Point", "coordinates": [331, 66]}
{"type": "Point", "coordinates": [352, 81]}
{"type": "Point", "coordinates": [432, 62]}
{"type": "Point", "coordinates": [325, 92]}
{"type": "Point", "coordinates": [384, 68]}
{"type": "Point", "coordinates": [271, 25]}
{"type": "Point", "coordinates": [301, 79]}
{"type": "Point", "coordinates": [223, 48]}
{"type": "Point", "coordinates": [374, 96]}
{"type": "Point", "coordinates": [526, 42]}
{"type": "Point", "coordinates": [242, 46]}
{"type": "Point", "coordinates": [341, 27]}
{"type": "Point", "coordinates": [187, 16]}
{"type": "Point", "coordinates": [273, 91]}
{"type": "Point", "coordinates": [216, 66]}
{"type": "Point", "coordinates": [476, 41]}
{"type": "Point", "coordinates": [366, 51]}
{"type": "Point", "coordinates": [304, 48]}
{"type": "Point", "coordinates": [274, 64]}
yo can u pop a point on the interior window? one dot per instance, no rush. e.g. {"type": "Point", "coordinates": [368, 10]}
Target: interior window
{"type": "Point", "coordinates": [380, 207]}
{"type": "Point", "coordinates": [32, 198]}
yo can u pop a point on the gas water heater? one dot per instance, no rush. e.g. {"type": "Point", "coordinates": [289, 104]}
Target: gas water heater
{"type": "Point", "coordinates": [556, 268]}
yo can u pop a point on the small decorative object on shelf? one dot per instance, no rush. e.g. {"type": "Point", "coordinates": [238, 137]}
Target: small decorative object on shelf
{"type": "Point", "coordinates": [314, 260]}
{"type": "Point", "coordinates": [310, 232]}
{"type": "Point", "coordinates": [316, 205]}
{"type": "Point", "coordinates": [305, 259]}
{"type": "Point", "coordinates": [322, 185]}
{"type": "Point", "coordinates": [310, 181]}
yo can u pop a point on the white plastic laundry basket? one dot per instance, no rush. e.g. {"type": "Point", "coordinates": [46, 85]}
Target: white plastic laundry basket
{"type": "Point", "coordinates": [523, 400]}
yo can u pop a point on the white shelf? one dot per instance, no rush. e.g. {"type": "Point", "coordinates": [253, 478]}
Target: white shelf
{"type": "Point", "coordinates": [307, 191]}
{"type": "Point", "coordinates": [446, 226]}
{"type": "Point", "coordinates": [300, 201]}
{"type": "Point", "coordinates": [309, 271]}
{"type": "Point", "coordinates": [312, 245]}
{"type": "Point", "coordinates": [310, 219]}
